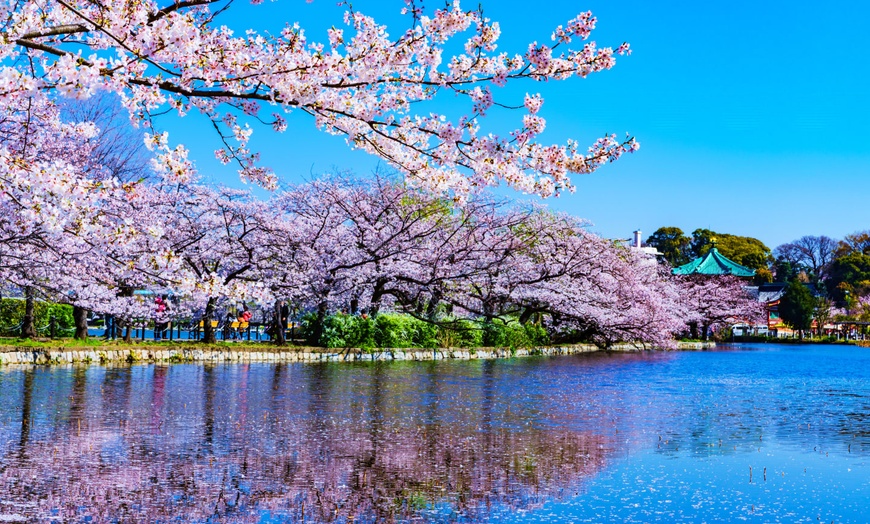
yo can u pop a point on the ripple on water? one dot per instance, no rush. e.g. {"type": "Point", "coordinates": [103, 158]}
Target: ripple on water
{"type": "Point", "coordinates": [762, 433]}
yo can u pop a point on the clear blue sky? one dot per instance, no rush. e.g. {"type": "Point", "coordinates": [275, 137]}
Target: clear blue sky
{"type": "Point", "coordinates": [753, 117]}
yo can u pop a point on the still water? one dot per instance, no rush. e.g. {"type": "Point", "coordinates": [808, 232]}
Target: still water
{"type": "Point", "coordinates": [757, 433]}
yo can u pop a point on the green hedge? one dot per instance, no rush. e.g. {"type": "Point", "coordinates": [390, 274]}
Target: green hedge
{"type": "Point", "coordinates": [12, 313]}
{"type": "Point", "coordinates": [394, 330]}
{"type": "Point", "coordinates": [513, 334]}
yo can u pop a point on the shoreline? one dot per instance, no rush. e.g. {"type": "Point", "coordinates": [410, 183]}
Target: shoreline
{"type": "Point", "coordinates": [11, 355]}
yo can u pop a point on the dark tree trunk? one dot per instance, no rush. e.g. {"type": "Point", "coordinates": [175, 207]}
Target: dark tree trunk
{"type": "Point", "coordinates": [278, 325]}
{"type": "Point", "coordinates": [693, 330]}
{"type": "Point", "coordinates": [527, 315]}
{"type": "Point", "coordinates": [28, 324]}
{"type": "Point", "coordinates": [375, 301]}
{"type": "Point", "coordinates": [318, 327]}
{"type": "Point", "coordinates": [125, 325]}
{"type": "Point", "coordinates": [208, 332]}
{"type": "Point", "coordinates": [80, 317]}
{"type": "Point", "coordinates": [432, 307]}
{"type": "Point", "coordinates": [128, 331]}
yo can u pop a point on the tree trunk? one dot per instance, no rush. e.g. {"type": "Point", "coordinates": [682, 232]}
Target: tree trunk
{"type": "Point", "coordinates": [128, 331]}
{"type": "Point", "coordinates": [432, 306]}
{"type": "Point", "coordinates": [278, 325]}
{"type": "Point", "coordinates": [28, 325]}
{"type": "Point", "coordinates": [375, 301]}
{"type": "Point", "coordinates": [208, 333]}
{"type": "Point", "coordinates": [318, 327]}
{"type": "Point", "coordinates": [527, 315]}
{"type": "Point", "coordinates": [80, 317]}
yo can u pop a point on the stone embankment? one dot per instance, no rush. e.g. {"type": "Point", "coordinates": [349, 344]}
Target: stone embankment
{"type": "Point", "coordinates": [143, 353]}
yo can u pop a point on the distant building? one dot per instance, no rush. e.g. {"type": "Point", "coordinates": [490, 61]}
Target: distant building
{"type": "Point", "coordinates": [769, 294]}
{"type": "Point", "coordinates": [636, 244]}
{"type": "Point", "coordinates": [714, 263]}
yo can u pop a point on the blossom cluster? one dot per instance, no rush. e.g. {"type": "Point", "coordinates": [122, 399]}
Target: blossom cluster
{"type": "Point", "coordinates": [361, 84]}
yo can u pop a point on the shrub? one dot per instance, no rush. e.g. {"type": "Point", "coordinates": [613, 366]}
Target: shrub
{"type": "Point", "coordinates": [462, 333]}
{"type": "Point", "coordinates": [513, 334]}
{"type": "Point", "coordinates": [394, 330]}
{"type": "Point", "coordinates": [397, 330]}
{"type": "Point", "coordinates": [347, 331]}
{"type": "Point", "coordinates": [12, 313]}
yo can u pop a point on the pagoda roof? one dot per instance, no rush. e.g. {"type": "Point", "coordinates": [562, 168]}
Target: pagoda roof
{"type": "Point", "coordinates": [713, 263]}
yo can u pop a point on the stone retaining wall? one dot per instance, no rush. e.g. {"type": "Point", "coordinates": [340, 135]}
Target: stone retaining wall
{"type": "Point", "coordinates": [113, 354]}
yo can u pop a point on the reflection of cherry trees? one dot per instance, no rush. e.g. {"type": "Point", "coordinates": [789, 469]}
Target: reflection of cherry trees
{"type": "Point", "coordinates": [381, 441]}
{"type": "Point", "coordinates": [292, 441]}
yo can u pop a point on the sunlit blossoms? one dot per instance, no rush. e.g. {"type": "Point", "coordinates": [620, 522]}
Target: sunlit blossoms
{"type": "Point", "coordinates": [362, 84]}
{"type": "Point", "coordinates": [81, 227]}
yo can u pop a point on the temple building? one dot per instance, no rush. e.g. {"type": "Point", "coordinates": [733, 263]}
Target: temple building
{"type": "Point", "coordinates": [713, 263]}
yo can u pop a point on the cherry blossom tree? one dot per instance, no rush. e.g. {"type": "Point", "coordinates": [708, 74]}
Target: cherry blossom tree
{"type": "Point", "coordinates": [357, 247]}
{"type": "Point", "coordinates": [361, 84]}
{"type": "Point", "coordinates": [717, 301]}
{"type": "Point", "coordinates": [44, 190]}
{"type": "Point", "coordinates": [78, 221]}
{"type": "Point", "coordinates": [588, 286]}
{"type": "Point", "coordinates": [205, 244]}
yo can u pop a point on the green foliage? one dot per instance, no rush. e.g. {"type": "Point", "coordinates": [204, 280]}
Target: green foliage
{"type": "Point", "coordinates": [797, 306]}
{"type": "Point", "coordinates": [858, 242]}
{"type": "Point", "coordinates": [12, 313]}
{"type": "Point", "coordinates": [461, 333]}
{"type": "Point", "coordinates": [763, 276]}
{"type": "Point", "coordinates": [403, 331]}
{"type": "Point", "coordinates": [395, 330]}
{"type": "Point", "coordinates": [746, 251]}
{"type": "Point", "coordinates": [672, 243]}
{"type": "Point", "coordinates": [512, 334]}
{"type": "Point", "coordinates": [784, 270]}
{"type": "Point", "coordinates": [344, 331]}
{"type": "Point", "coordinates": [309, 328]}
{"type": "Point", "coordinates": [849, 273]}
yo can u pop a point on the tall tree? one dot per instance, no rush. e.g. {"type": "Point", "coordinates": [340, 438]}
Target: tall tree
{"type": "Point", "coordinates": [746, 251]}
{"type": "Point", "coordinates": [849, 274]}
{"type": "Point", "coordinates": [672, 243]}
{"type": "Point", "coordinates": [797, 307]}
{"type": "Point", "coordinates": [784, 270]}
{"type": "Point", "coordinates": [814, 253]}
{"type": "Point", "coordinates": [858, 242]}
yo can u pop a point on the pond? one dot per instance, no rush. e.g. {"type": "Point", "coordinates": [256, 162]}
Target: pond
{"type": "Point", "coordinates": [758, 433]}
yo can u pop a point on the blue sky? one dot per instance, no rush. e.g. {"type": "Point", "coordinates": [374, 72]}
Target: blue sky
{"type": "Point", "coordinates": [753, 117]}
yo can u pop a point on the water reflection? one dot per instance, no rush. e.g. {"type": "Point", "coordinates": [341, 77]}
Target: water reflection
{"type": "Point", "coordinates": [249, 443]}
{"type": "Point", "coordinates": [438, 441]}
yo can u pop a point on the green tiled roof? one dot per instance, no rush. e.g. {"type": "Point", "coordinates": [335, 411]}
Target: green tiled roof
{"type": "Point", "coordinates": [713, 263]}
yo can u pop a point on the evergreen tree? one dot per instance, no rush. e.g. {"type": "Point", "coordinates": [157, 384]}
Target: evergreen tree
{"type": "Point", "coordinates": [797, 307]}
{"type": "Point", "coordinates": [672, 244]}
